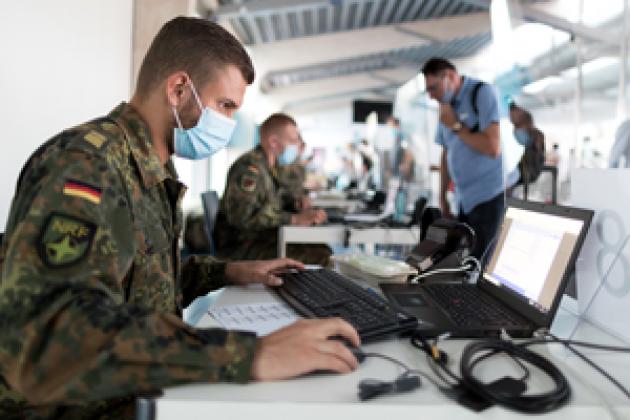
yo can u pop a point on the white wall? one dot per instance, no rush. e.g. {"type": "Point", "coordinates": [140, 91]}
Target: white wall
{"type": "Point", "coordinates": [63, 62]}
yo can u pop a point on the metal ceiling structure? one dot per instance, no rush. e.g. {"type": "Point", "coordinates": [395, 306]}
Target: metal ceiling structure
{"type": "Point", "coordinates": [283, 28]}
{"type": "Point", "coordinates": [409, 57]}
{"type": "Point", "coordinates": [296, 20]}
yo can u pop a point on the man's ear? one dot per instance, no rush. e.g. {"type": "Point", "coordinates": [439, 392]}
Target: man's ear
{"type": "Point", "coordinates": [176, 88]}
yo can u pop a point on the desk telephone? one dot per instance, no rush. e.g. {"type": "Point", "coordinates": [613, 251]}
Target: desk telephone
{"type": "Point", "coordinates": [445, 245]}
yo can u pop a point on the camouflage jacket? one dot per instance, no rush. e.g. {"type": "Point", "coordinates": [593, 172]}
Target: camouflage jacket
{"type": "Point", "coordinates": [89, 294]}
{"type": "Point", "coordinates": [292, 179]}
{"type": "Point", "coordinates": [252, 208]}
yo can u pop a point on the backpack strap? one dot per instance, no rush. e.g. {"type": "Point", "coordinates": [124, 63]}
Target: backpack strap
{"type": "Point", "coordinates": [475, 93]}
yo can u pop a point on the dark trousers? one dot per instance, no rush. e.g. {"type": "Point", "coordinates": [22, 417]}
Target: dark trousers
{"type": "Point", "coordinates": [484, 219]}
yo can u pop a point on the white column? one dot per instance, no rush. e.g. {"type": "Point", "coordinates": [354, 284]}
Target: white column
{"type": "Point", "coordinates": [622, 102]}
{"type": "Point", "coordinates": [578, 95]}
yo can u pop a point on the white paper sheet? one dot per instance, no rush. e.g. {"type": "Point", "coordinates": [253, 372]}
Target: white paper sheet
{"type": "Point", "coordinates": [261, 318]}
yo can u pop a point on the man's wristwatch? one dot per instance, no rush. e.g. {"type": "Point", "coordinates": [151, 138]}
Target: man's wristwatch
{"type": "Point", "coordinates": [457, 126]}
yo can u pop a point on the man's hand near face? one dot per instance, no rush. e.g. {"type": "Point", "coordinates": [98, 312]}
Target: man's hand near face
{"type": "Point", "coordinates": [309, 217]}
{"type": "Point", "coordinates": [303, 347]}
{"type": "Point", "coordinates": [261, 272]}
{"type": "Point", "coordinates": [447, 115]}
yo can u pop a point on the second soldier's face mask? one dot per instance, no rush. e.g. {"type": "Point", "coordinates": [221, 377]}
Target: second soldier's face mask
{"type": "Point", "coordinates": [211, 133]}
{"type": "Point", "coordinates": [287, 157]}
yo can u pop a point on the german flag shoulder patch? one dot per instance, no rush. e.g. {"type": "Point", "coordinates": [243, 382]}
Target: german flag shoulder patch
{"type": "Point", "coordinates": [83, 190]}
{"type": "Point", "coordinates": [253, 169]}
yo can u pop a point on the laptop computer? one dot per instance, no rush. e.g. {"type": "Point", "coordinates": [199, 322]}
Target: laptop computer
{"type": "Point", "coordinates": [522, 282]}
{"type": "Point", "coordinates": [388, 210]}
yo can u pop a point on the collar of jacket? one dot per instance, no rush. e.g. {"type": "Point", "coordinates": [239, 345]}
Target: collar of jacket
{"type": "Point", "coordinates": [260, 154]}
{"type": "Point", "coordinates": [144, 153]}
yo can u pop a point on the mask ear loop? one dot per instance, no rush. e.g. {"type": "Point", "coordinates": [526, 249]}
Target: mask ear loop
{"type": "Point", "coordinates": [192, 88]}
{"type": "Point", "coordinates": [194, 91]}
{"type": "Point", "coordinates": [179, 123]}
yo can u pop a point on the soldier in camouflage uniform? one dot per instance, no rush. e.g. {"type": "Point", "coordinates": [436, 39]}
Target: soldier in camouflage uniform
{"type": "Point", "coordinates": [255, 204]}
{"type": "Point", "coordinates": [292, 178]}
{"type": "Point", "coordinates": [92, 286]}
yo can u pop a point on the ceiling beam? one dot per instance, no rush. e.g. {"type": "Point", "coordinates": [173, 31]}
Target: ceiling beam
{"type": "Point", "coordinates": [416, 34]}
{"type": "Point", "coordinates": [231, 11]}
{"type": "Point", "coordinates": [317, 49]}
{"type": "Point", "coordinates": [535, 14]}
{"type": "Point", "coordinates": [341, 84]}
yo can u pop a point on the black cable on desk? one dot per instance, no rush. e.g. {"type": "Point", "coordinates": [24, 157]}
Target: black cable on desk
{"type": "Point", "coordinates": [530, 404]}
{"type": "Point", "coordinates": [478, 351]}
{"type": "Point", "coordinates": [569, 345]}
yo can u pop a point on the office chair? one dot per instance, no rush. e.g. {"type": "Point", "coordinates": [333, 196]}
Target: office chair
{"type": "Point", "coordinates": [210, 202]}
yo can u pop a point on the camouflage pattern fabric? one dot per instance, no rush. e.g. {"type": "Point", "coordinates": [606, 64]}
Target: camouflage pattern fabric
{"type": "Point", "coordinates": [291, 178]}
{"type": "Point", "coordinates": [89, 294]}
{"type": "Point", "coordinates": [252, 209]}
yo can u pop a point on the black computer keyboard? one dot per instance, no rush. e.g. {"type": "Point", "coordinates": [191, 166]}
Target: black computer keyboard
{"type": "Point", "coordinates": [334, 215]}
{"type": "Point", "coordinates": [469, 308]}
{"type": "Point", "coordinates": [324, 293]}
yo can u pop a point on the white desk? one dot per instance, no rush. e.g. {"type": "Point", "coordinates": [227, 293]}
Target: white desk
{"type": "Point", "coordinates": [336, 234]}
{"type": "Point", "coordinates": [335, 396]}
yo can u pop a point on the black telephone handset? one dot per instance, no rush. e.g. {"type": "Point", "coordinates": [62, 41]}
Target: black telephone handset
{"type": "Point", "coordinates": [446, 244]}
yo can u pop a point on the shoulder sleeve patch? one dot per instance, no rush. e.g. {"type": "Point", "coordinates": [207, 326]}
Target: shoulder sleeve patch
{"type": "Point", "coordinates": [64, 240]}
{"type": "Point", "coordinates": [95, 139]}
{"type": "Point", "coordinates": [248, 183]}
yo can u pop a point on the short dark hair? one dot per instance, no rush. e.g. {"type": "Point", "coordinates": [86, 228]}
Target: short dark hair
{"type": "Point", "coordinates": [523, 113]}
{"type": "Point", "coordinates": [274, 124]}
{"type": "Point", "coordinates": [197, 46]}
{"type": "Point", "coordinates": [437, 65]}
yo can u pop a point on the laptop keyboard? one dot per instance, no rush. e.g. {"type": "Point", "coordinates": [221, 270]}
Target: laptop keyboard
{"type": "Point", "coordinates": [468, 307]}
{"type": "Point", "coordinates": [324, 293]}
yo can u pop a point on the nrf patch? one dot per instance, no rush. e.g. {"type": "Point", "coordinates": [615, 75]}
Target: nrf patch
{"type": "Point", "coordinates": [65, 240]}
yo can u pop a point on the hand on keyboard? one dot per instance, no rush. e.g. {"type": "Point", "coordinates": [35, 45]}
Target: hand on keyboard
{"type": "Point", "coordinates": [309, 217]}
{"type": "Point", "coordinates": [263, 272]}
{"type": "Point", "coordinates": [304, 347]}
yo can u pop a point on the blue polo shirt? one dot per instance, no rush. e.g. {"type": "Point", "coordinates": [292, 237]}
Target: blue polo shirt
{"type": "Point", "coordinates": [477, 177]}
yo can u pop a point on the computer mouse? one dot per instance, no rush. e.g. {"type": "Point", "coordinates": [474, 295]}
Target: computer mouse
{"type": "Point", "coordinates": [356, 351]}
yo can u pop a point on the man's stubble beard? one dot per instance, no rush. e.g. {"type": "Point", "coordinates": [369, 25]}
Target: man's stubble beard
{"type": "Point", "coordinates": [188, 119]}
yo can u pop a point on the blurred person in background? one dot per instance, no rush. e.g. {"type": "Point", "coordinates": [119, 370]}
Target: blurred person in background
{"type": "Point", "coordinates": [366, 181]}
{"type": "Point", "coordinates": [254, 207]}
{"type": "Point", "coordinates": [292, 178]}
{"type": "Point", "coordinates": [396, 157]}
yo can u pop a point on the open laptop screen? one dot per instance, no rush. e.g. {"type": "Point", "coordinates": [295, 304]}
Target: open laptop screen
{"type": "Point", "coordinates": [532, 254]}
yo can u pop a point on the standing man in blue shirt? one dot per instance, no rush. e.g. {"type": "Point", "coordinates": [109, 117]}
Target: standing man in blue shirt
{"type": "Point", "coordinates": [469, 133]}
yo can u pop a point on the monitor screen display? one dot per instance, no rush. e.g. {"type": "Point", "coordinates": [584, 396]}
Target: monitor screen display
{"type": "Point", "coordinates": [532, 253]}
{"type": "Point", "coordinates": [361, 110]}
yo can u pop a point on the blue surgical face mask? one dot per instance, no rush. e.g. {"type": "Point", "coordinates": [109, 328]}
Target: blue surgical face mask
{"type": "Point", "coordinates": [288, 156]}
{"type": "Point", "coordinates": [523, 137]}
{"type": "Point", "coordinates": [448, 93]}
{"type": "Point", "coordinates": [211, 133]}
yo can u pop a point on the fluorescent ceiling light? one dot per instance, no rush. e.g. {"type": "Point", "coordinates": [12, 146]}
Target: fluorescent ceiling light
{"type": "Point", "coordinates": [591, 66]}
{"type": "Point", "coordinates": [540, 85]}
